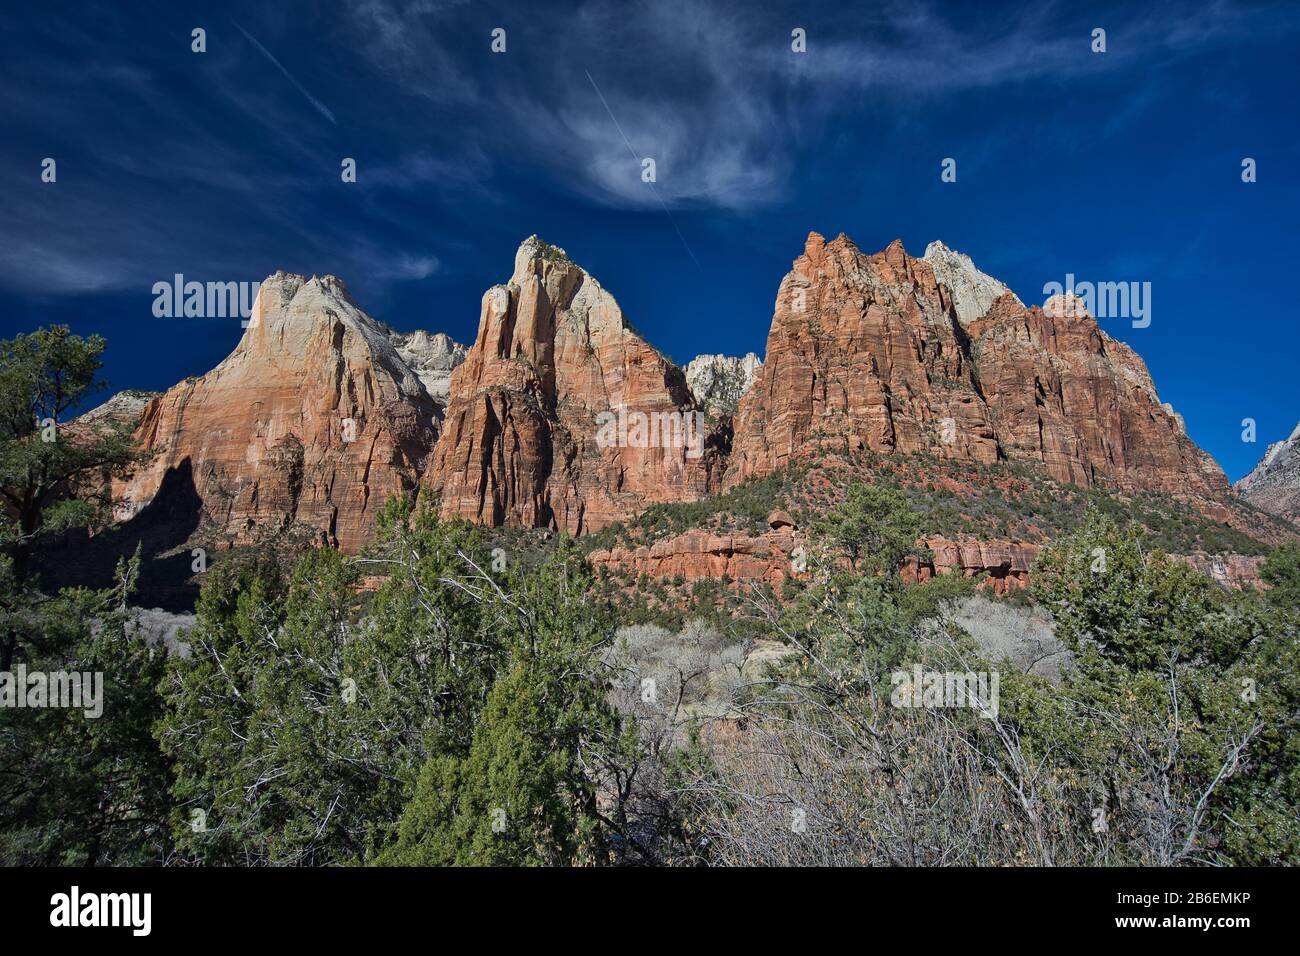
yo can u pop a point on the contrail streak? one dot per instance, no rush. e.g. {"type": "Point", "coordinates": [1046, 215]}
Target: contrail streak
{"type": "Point", "coordinates": [320, 107]}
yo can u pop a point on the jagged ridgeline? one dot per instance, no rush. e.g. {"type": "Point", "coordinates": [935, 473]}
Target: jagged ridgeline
{"type": "Point", "coordinates": [321, 413]}
{"type": "Point", "coordinates": [1274, 484]}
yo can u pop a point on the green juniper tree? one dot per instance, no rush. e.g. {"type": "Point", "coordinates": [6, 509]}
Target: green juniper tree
{"type": "Point", "coordinates": [73, 789]}
{"type": "Point", "coordinates": [301, 717]}
{"type": "Point", "coordinates": [319, 722]}
{"type": "Point", "coordinates": [44, 376]}
{"type": "Point", "coordinates": [525, 792]}
{"type": "Point", "coordinates": [875, 525]}
{"type": "Point", "coordinates": [1176, 726]}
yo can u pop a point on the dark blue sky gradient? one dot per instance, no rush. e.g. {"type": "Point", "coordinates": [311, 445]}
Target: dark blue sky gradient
{"type": "Point", "coordinates": [224, 166]}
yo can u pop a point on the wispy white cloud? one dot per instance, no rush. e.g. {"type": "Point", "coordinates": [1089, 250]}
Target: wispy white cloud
{"type": "Point", "coordinates": [408, 41]}
{"type": "Point", "coordinates": [714, 94]}
{"type": "Point", "coordinates": [41, 268]}
{"type": "Point", "coordinates": [401, 267]}
{"type": "Point", "coordinates": [710, 90]}
{"type": "Point", "coordinates": [466, 168]}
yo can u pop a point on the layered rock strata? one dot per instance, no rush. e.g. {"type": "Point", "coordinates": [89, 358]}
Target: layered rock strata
{"type": "Point", "coordinates": [311, 423]}
{"type": "Point", "coordinates": [561, 415]}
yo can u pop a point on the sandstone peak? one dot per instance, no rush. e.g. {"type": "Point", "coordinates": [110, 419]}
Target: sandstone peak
{"type": "Point", "coordinates": [1264, 468]}
{"type": "Point", "coordinates": [867, 353]}
{"type": "Point", "coordinates": [292, 311]}
{"type": "Point", "coordinates": [288, 284]}
{"type": "Point", "coordinates": [282, 278]}
{"type": "Point", "coordinates": [432, 357]}
{"type": "Point", "coordinates": [321, 412]}
{"type": "Point", "coordinates": [814, 248]}
{"type": "Point", "coordinates": [124, 408]}
{"type": "Point", "coordinates": [1066, 305]}
{"type": "Point", "coordinates": [1273, 485]}
{"type": "Point", "coordinates": [719, 381]}
{"type": "Point", "coordinates": [1169, 408]}
{"type": "Point", "coordinates": [425, 343]}
{"type": "Point", "coordinates": [523, 442]}
{"type": "Point", "coordinates": [839, 245]}
{"type": "Point", "coordinates": [973, 292]}
{"type": "Point", "coordinates": [896, 256]}
{"type": "Point", "coordinates": [535, 249]}
{"type": "Point", "coordinates": [333, 284]}
{"type": "Point", "coordinates": [312, 422]}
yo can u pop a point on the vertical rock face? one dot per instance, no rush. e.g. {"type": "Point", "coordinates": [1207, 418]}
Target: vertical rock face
{"type": "Point", "coordinates": [311, 423]}
{"type": "Point", "coordinates": [1062, 392]}
{"type": "Point", "coordinates": [870, 352]}
{"type": "Point", "coordinates": [528, 438]}
{"type": "Point", "coordinates": [719, 381]}
{"type": "Point", "coordinates": [1274, 484]}
{"type": "Point", "coordinates": [865, 352]}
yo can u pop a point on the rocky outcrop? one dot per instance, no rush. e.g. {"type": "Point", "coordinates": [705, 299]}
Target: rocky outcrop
{"type": "Point", "coordinates": [703, 554]}
{"type": "Point", "coordinates": [561, 416]}
{"type": "Point", "coordinates": [1063, 393]}
{"type": "Point", "coordinates": [973, 292]}
{"type": "Point", "coordinates": [719, 381]}
{"type": "Point", "coordinates": [770, 557]}
{"type": "Point", "coordinates": [432, 358]}
{"type": "Point", "coordinates": [1006, 563]}
{"type": "Point", "coordinates": [864, 353]}
{"type": "Point", "coordinates": [868, 353]}
{"type": "Point", "coordinates": [311, 423]}
{"type": "Point", "coordinates": [122, 409]}
{"type": "Point", "coordinates": [1273, 485]}
{"type": "Point", "coordinates": [1237, 571]}
{"type": "Point", "coordinates": [118, 415]}
{"type": "Point", "coordinates": [780, 519]}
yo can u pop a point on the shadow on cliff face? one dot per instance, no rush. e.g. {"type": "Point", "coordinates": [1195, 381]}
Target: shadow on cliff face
{"type": "Point", "coordinates": [162, 530]}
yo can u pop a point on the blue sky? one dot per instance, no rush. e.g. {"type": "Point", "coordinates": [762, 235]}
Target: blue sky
{"type": "Point", "coordinates": [225, 165]}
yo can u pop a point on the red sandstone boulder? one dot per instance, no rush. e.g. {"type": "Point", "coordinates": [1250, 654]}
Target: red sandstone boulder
{"type": "Point", "coordinates": [779, 519]}
{"type": "Point", "coordinates": [1006, 563]}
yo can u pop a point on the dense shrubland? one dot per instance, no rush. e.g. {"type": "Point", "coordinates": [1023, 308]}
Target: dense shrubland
{"type": "Point", "coordinates": [1169, 740]}
{"type": "Point", "coordinates": [457, 714]}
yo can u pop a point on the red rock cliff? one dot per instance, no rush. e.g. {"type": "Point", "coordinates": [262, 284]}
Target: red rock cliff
{"type": "Point", "coordinates": [866, 352]}
{"type": "Point", "coordinates": [522, 443]}
{"type": "Point", "coordinates": [311, 423]}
